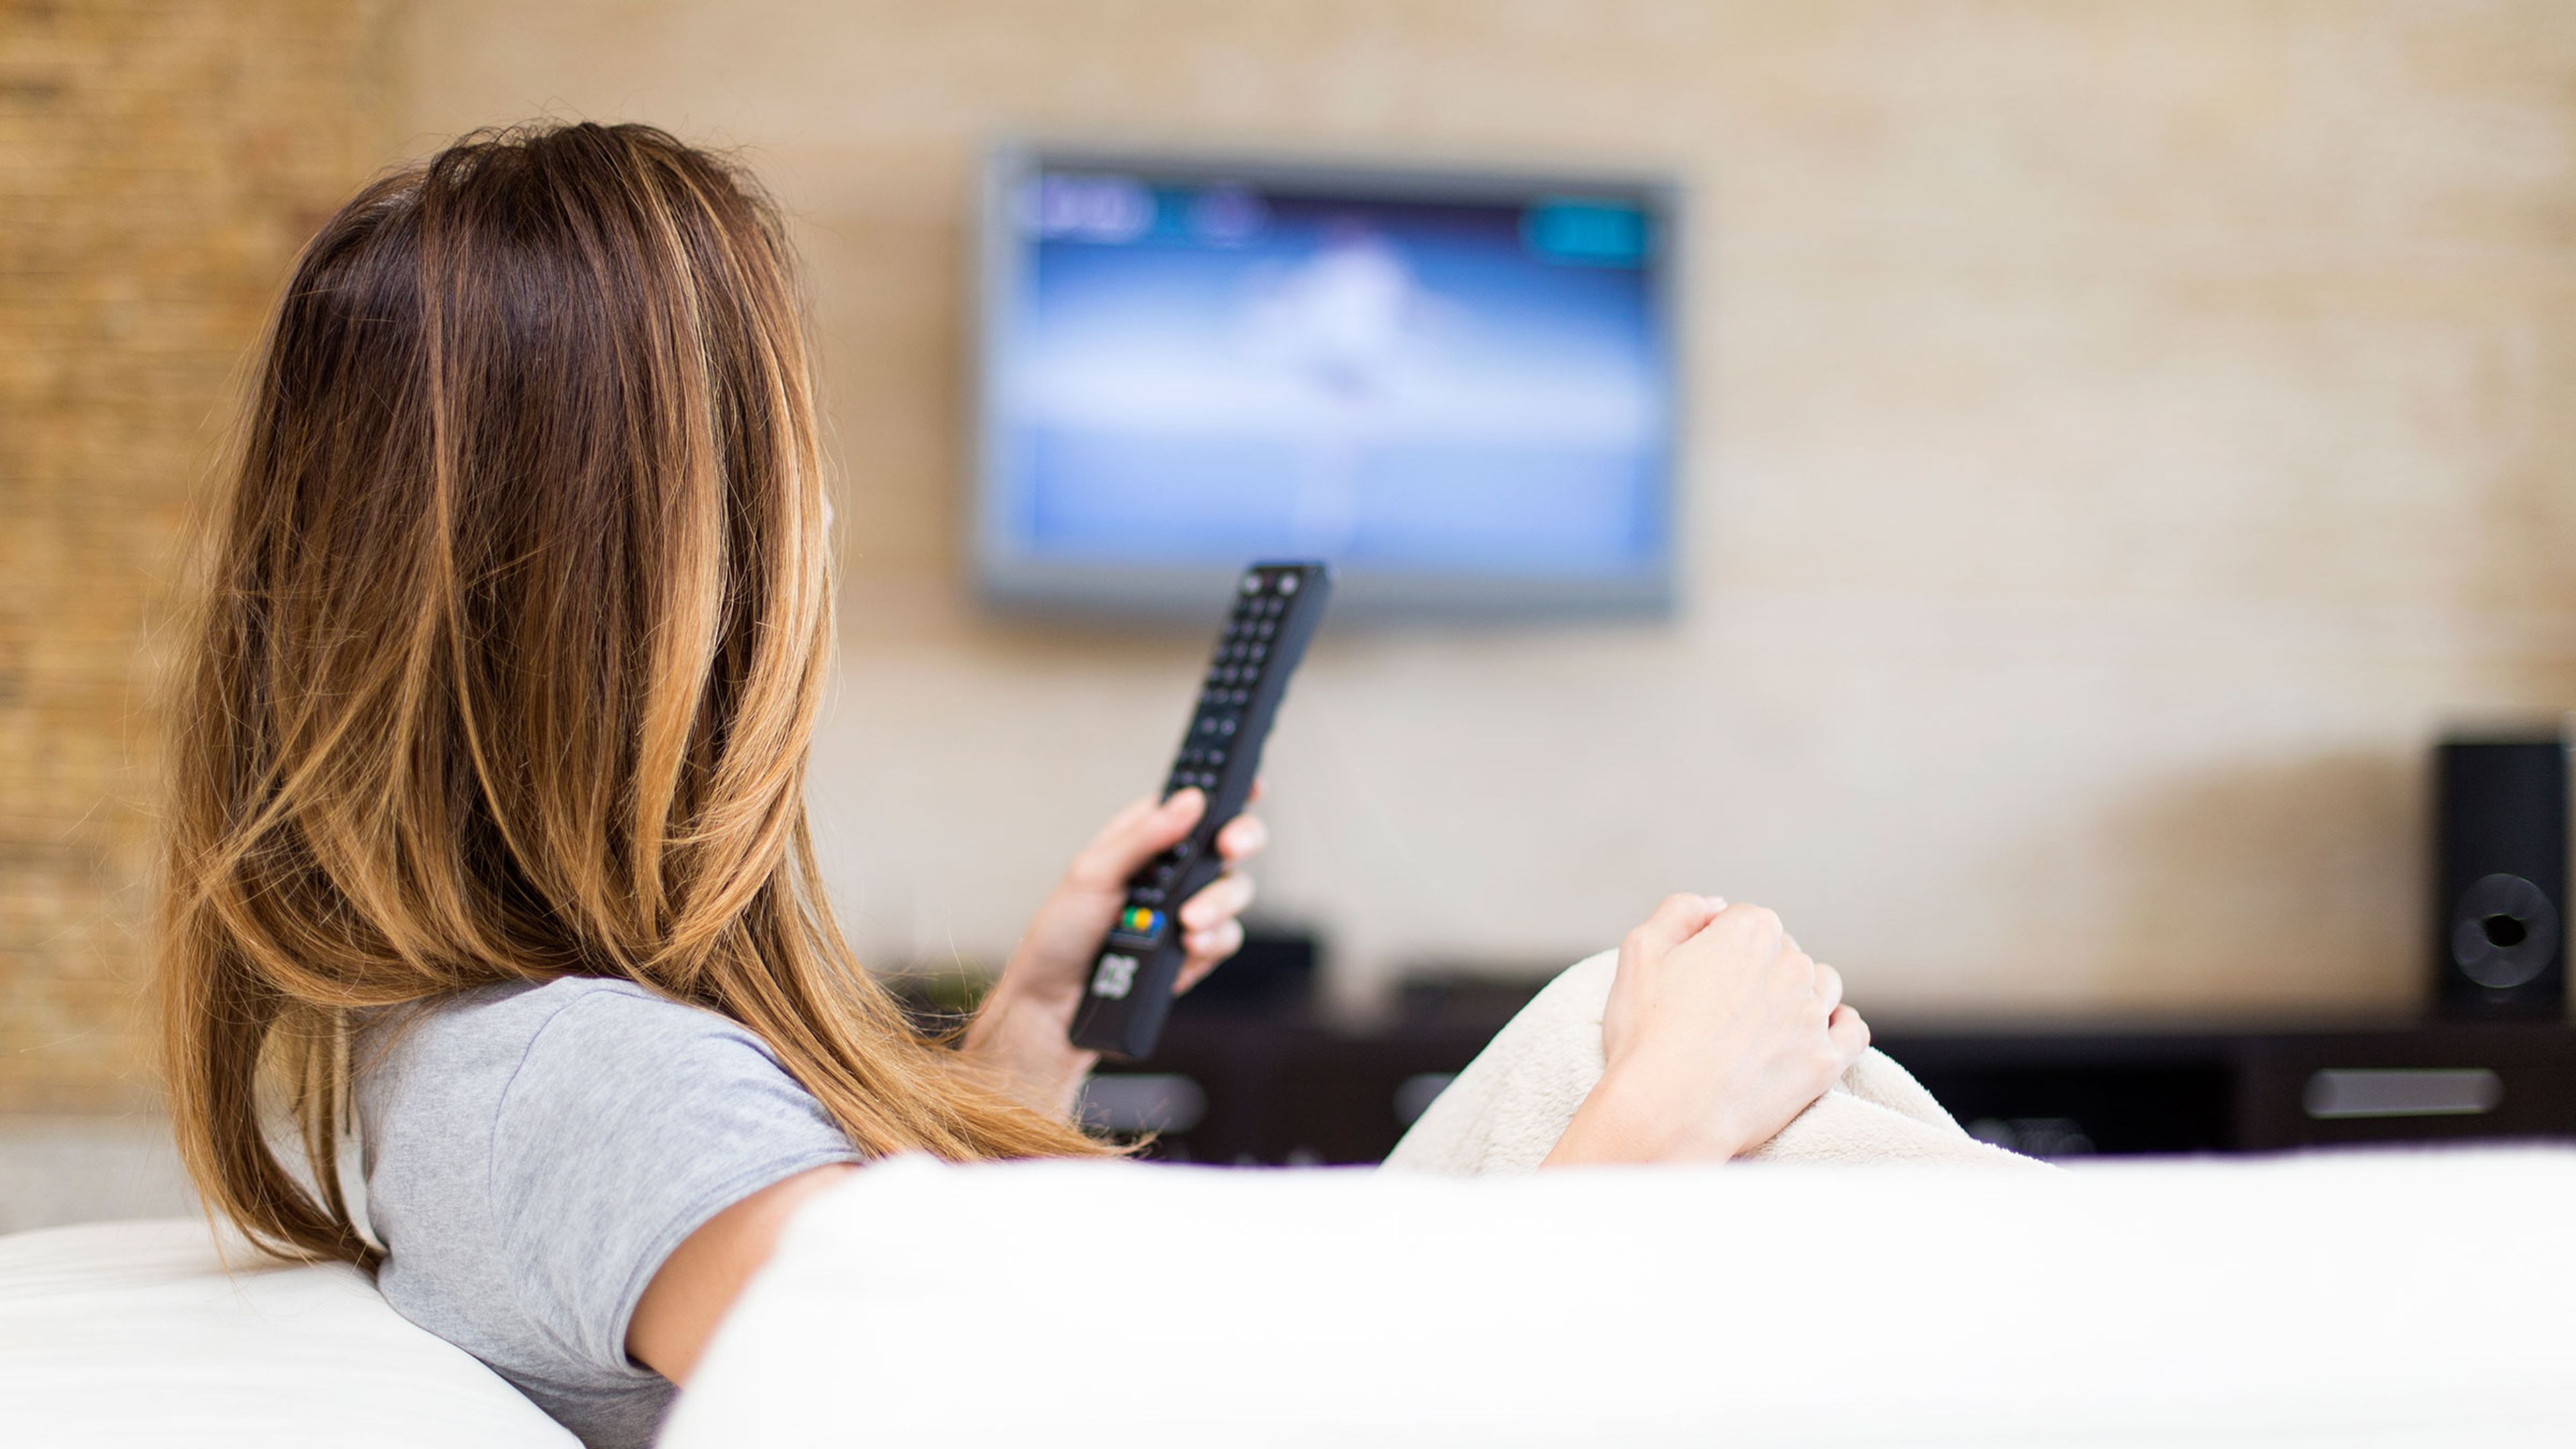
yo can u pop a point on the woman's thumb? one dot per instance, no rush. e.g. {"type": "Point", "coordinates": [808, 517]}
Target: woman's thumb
{"type": "Point", "coordinates": [1139, 833]}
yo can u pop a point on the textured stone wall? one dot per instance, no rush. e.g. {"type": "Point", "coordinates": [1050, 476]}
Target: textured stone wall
{"type": "Point", "coordinates": [159, 164]}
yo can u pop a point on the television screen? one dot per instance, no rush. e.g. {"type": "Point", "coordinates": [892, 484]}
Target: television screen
{"type": "Point", "coordinates": [1457, 389]}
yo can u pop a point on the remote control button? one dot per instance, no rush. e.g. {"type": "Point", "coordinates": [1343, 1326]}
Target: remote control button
{"type": "Point", "coordinates": [1252, 583]}
{"type": "Point", "coordinates": [1225, 726]}
{"type": "Point", "coordinates": [1287, 583]}
{"type": "Point", "coordinates": [1257, 652]}
{"type": "Point", "coordinates": [1268, 628]}
{"type": "Point", "coordinates": [1242, 696]}
{"type": "Point", "coordinates": [1216, 757]}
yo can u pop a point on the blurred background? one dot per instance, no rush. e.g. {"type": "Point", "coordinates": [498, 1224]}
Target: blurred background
{"type": "Point", "coordinates": [2109, 444]}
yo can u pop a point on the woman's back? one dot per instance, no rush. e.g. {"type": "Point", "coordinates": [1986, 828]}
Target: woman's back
{"type": "Point", "coordinates": [534, 1152]}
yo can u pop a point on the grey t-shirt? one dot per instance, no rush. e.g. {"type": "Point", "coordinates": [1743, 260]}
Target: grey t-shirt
{"type": "Point", "coordinates": [532, 1155]}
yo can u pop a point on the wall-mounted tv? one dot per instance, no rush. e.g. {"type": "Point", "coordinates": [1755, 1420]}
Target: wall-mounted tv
{"type": "Point", "coordinates": [1459, 388]}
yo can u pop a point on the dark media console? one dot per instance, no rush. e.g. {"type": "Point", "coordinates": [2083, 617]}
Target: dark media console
{"type": "Point", "coordinates": [2067, 1091]}
{"type": "Point", "coordinates": [1233, 1086]}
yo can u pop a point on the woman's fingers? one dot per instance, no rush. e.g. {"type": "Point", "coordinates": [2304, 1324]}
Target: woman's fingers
{"type": "Point", "coordinates": [1850, 1035]}
{"type": "Point", "coordinates": [1829, 987]}
{"type": "Point", "coordinates": [1752, 933]}
{"type": "Point", "coordinates": [1242, 838]}
{"type": "Point", "coordinates": [1207, 950]}
{"type": "Point", "coordinates": [1219, 901]}
{"type": "Point", "coordinates": [1679, 918]}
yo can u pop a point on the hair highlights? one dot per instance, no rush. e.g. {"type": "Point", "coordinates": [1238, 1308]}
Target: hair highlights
{"type": "Point", "coordinates": [515, 630]}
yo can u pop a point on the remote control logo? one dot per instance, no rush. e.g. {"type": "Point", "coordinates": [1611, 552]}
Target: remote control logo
{"type": "Point", "coordinates": [1114, 978]}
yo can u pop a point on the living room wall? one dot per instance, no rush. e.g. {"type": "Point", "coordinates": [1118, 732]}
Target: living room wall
{"type": "Point", "coordinates": [2120, 436]}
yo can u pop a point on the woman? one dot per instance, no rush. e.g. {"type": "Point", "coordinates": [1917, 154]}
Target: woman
{"type": "Point", "coordinates": [489, 828]}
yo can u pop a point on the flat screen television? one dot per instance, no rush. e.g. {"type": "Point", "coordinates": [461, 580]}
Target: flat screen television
{"type": "Point", "coordinates": [1458, 388]}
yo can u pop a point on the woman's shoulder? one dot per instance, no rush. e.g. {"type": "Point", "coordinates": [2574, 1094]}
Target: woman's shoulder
{"type": "Point", "coordinates": [490, 1037]}
{"type": "Point", "coordinates": [529, 1011]}
{"type": "Point", "coordinates": [497, 1082]}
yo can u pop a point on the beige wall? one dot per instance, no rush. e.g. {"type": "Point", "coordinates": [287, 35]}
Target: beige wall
{"type": "Point", "coordinates": [2121, 435]}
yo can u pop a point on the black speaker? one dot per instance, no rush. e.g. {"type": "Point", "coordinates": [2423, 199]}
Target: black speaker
{"type": "Point", "coordinates": [2500, 889]}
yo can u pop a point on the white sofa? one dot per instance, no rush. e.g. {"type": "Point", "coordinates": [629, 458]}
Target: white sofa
{"type": "Point", "coordinates": [136, 1333]}
{"type": "Point", "coordinates": [2415, 1299]}
{"type": "Point", "coordinates": [2385, 1299]}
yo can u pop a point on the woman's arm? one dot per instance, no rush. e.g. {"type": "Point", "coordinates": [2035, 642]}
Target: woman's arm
{"type": "Point", "coordinates": [695, 1286]}
{"type": "Point", "coordinates": [1717, 1032]}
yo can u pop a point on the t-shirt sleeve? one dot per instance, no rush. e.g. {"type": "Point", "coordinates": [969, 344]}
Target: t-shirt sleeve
{"type": "Point", "coordinates": [630, 1123]}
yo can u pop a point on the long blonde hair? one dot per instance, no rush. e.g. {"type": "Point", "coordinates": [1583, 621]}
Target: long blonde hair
{"type": "Point", "coordinates": [515, 629]}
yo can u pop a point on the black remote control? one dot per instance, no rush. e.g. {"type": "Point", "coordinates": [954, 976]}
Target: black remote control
{"type": "Point", "coordinates": [1275, 609]}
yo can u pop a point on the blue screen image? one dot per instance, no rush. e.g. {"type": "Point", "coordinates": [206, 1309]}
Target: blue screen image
{"type": "Point", "coordinates": [1210, 373]}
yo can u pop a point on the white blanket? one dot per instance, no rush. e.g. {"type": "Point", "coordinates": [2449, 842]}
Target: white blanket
{"type": "Point", "coordinates": [1508, 1107]}
{"type": "Point", "coordinates": [2385, 1299]}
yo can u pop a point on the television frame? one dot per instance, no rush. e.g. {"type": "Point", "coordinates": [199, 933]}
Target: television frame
{"type": "Point", "coordinates": [1009, 581]}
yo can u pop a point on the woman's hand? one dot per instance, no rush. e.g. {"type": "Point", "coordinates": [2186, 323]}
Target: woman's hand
{"type": "Point", "coordinates": [1718, 1031]}
{"type": "Point", "coordinates": [1021, 1027]}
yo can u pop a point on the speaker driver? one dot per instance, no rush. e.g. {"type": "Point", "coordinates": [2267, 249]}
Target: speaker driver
{"type": "Point", "coordinates": [2504, 932]}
